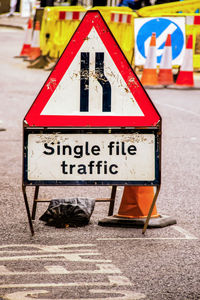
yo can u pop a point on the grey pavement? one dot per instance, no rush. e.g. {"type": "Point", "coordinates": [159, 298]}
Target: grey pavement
{"type": "Point", "coordinates": [94, 262]}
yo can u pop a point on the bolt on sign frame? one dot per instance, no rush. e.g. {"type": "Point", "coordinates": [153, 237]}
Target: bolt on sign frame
{"type": "Point", "coordinates": [92, 123]}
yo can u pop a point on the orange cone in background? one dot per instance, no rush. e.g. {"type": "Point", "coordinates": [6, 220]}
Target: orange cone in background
{"type": "Point", "coordinates": [149, 75]}
{"type": "Point", "coordinates": [35, 44]}
{"type": "Point", "coordinates": [185, 76]}
{"type": "Point", "coordinates": [27, 41]}
{"type": "Point", "coordinates": [136, 202]}
{"type": "Point", "coordinates": [165, 75]}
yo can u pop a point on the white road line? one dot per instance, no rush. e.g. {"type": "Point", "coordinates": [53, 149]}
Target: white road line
{"type": "Point", "coordinates": [113, 281]}
{"type": "Point", "coordinates": [146, 239]}
{"type": "Point", "coordinates": [48, 252]}
{"type": "Point", "coordinates": [187, 235]}
{"type": "Point", "coordinates": [57, 257]}
{"type": "Point", "coordinates": [32, 294]}
{"type": "Point", "coordinates": [178, 108]}
{"type": "Point", "coordinates": [43, 248]}
{"type": "Point", "coordinates": [109, 270]}
{"type": "Point", "coordinates": [60, 270]}
{"type": "Point", "coordinates": [4, 271]}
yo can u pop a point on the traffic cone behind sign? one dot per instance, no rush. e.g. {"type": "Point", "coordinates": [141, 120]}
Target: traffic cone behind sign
{"type": "Point", "coordinates": [35, 44]}
{"type": "Point", "coordinates": [185, 76]}
{"type": "Point", "coordinates": [136, 202]}
{"type": "Point", "coordinates": [165, 75]}
{"type": "Point", "coordinates": [27, 41]}
{"type": "Point", "coordinates": [149, 75]}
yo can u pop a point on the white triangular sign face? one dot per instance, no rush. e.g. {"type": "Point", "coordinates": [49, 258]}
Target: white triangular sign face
{"type": "Point", "coordinates": [66, 98]}
{"type": "Point", "coordinates": [92, 85]}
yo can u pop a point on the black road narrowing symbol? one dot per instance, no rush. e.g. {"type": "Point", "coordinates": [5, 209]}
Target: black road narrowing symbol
{"type": "Point", "coordinates": [101, 78]}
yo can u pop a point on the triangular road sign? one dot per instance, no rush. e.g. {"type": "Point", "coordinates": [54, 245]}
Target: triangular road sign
{"type": "Point", "coordinates": [92, 85]}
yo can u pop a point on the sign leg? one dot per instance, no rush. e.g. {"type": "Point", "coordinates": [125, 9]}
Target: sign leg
{"type": "Point", "coordinates": [112, 200]}
{"type": "Point", "coordinates": [27, 209]}
{"type": "Point", "coordinates": [151, 209]}
{"type": "Point", "coordinates": [35, 202]}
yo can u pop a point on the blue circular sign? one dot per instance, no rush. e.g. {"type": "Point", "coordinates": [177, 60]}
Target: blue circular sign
{"type": "Point", "coordinates": [161, 26]}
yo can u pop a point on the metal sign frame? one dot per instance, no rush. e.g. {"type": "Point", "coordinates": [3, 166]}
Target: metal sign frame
{"type": "Point", "coordinates": [101, 124]}
{"type": "Point", "coordinates": [157, 182]}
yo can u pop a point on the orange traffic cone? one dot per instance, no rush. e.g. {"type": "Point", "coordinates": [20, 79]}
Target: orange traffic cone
{"type": "Point", "coordinates": [27, 41]}
{"type": "Point", "coordinates": [35, 44]}
{"type": "Point", "coordinates": [185, 76]}
{"type": "Point", "coordinates": [149, 75]}
{"type": "Point", "coordinates": [136, 202]}
{"type": "Point", "coordinates": [165, 75]}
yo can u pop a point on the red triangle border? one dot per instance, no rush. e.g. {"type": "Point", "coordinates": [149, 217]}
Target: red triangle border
{"type": "Point", "coordinates": [92, 18]}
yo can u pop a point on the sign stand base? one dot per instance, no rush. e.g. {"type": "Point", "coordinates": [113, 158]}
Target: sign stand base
{"type": "Point", "coordinates": [31, 217]}
{"type": "Point", "coordinates": [160, 222]}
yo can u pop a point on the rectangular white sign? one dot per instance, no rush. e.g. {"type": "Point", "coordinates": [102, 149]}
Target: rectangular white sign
{"type": "Point", "coordinates": [91, 157]}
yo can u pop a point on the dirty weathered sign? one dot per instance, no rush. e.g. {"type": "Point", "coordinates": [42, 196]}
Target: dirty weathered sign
{"type": "Point", "coordinates": [88, 124]}
{"type": "Point", "coordinates": [92, 123]}
{"type": "Point", "coordinates": [91, 157]}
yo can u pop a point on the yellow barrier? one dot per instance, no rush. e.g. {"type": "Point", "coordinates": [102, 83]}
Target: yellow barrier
{"type": "Point", "coordinates": [58, 25]}
{"type": "Point", "coordinates": [193, 27]}
{"type": "Point", "coordinates": [122, 27]}
{"type": "Point", "coordinates": [187, 6]}
{"type": "Point", "coordinates": [47, 31]}
{"type": "Point", "coordinates": [105, 11]}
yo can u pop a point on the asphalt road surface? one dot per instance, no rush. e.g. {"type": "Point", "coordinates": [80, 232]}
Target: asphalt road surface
{"type": "Point", "coordinates": [95, 262]}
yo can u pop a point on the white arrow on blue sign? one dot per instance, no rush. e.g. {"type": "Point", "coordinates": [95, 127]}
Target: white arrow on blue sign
{"type": "Point", "coordinates": [162, 27]}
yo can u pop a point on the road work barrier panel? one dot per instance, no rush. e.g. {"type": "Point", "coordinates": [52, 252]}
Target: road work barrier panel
{"type": "Point", "coordinates": [122, 26]}
{"type": "Point", "coordinates": [185, 9]}
{"type": "Point", "coordinates": [193, 28]}
{"type": "Point", "coordinates": [59, 23]}
{"type": "Point", "coordinates": [47, 32]}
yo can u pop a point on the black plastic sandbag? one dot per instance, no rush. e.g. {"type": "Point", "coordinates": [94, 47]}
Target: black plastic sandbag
{"type": "Point", "coordinates": [72, 212]}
